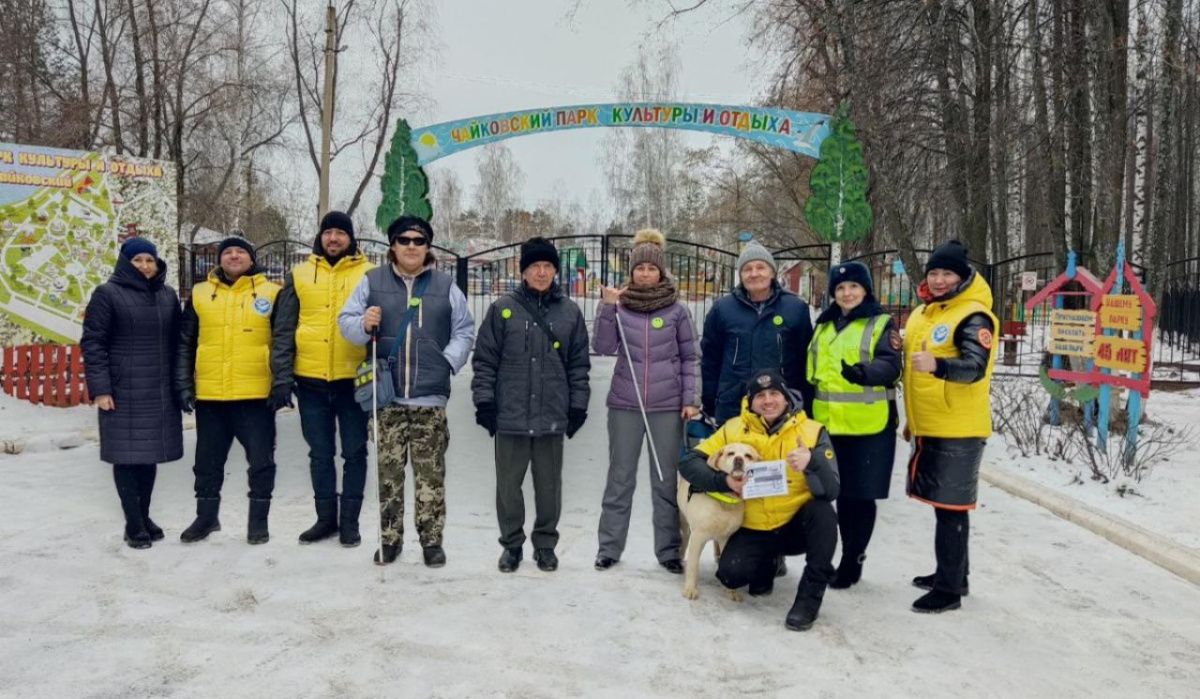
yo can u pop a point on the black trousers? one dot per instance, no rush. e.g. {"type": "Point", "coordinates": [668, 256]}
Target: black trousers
{"type": "Point", "coordinates": [328, 410]}
{"type": "Point", "coordinates": [749, 555]}
{"type": "Point", "coordinates": [950, 547]}
{"type": "Point", "coordinates": [218, 423]}
{"type": "Point", "coordinates": [514, 455]}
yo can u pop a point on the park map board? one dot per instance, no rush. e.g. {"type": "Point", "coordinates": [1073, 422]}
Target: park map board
{"type": "Point", "coordinates": [63, 215]}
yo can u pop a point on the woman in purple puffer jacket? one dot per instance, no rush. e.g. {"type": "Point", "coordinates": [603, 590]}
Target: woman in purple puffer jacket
{"type": "Point", "coordinates": [662, 346]}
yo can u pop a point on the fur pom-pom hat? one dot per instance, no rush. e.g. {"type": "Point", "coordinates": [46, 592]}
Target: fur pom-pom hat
{"type": "Point", "coordinates": [648, 246]}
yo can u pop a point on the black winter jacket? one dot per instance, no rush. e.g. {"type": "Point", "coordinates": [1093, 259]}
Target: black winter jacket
{"type": "Point", "coordinates": [130, 335]}
{"type": "Point", "coordinates": [521, 374]}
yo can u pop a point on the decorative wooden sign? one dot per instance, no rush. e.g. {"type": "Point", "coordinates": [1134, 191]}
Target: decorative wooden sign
{"type": "Point", "coordinates": [1063, 316]}
{"type": "Point", "coordinates": [1120, 354]}
{"type": "Point", "coordinates": [1121, 312]}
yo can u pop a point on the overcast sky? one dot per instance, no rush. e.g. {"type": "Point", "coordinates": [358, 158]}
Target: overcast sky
{"type": "Point", "coordinates": [500, 56]}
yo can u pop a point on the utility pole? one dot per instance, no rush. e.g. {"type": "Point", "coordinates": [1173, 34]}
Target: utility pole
{"type": "Point", "coordinates": [327, 105]}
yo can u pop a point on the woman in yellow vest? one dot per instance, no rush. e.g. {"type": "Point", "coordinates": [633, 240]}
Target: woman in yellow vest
{"type": "Point", "coordinates": [801, 520]}
{"type": "Point", "coordinates": [853, 365]}
{"type": "Point", "coordinates": [949, 354]}
{"type": "Point", "coordinates": [223, 372]}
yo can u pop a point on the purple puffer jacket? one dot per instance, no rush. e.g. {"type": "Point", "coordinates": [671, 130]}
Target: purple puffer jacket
{"type": "Point", "coordinates": [664, 351]}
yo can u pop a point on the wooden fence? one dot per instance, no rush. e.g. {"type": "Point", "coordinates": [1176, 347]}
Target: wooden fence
{"type": "Point", "coordinates": [45, 374]}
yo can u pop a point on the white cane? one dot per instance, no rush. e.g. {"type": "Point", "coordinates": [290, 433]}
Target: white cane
{"type": "Point", "coordinates": [375, 445]}
{"type": "Point", "coordinates": [638, 391]}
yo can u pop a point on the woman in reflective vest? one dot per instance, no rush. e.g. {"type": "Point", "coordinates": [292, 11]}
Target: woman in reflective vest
{"type": "Point", "coordinates": [853, 365]}
{"type": "Point", "coordinates": [949, 353]}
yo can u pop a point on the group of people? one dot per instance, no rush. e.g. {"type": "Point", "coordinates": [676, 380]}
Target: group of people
{"type": "Point", "coordinates": [819, 397]}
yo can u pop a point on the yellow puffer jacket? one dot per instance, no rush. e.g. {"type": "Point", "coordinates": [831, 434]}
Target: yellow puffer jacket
{"type": "Point", "coordinates": [936, 407]}
{"type": "Point", "coordinates": [322, 290]}
{"type": "Point", "coordinates": [233, 352]}
{"type": "Point", "coordinates": [775, 511]}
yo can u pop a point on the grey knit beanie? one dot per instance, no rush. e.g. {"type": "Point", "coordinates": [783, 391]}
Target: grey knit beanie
{"type": "Point", "coordinates": [754, 251]}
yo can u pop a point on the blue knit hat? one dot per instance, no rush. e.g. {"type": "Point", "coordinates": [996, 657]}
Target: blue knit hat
{"type": "Point", "coordinates": [133, 247]}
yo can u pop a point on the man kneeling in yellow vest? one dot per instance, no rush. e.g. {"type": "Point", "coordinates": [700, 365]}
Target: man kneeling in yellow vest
{"type": "Point", "coordinates": [801, 520]}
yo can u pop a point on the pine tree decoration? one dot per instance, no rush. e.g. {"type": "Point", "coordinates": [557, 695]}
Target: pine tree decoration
{"type": "Point", "coordinates": [404, 184]}
{"type": "Point", "coordinates": [837, 207]}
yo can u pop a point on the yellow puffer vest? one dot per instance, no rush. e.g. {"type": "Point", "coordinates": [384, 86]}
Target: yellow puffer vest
{"type": "Point", "coordinates": [936, 407]}
{"type": "Point", "coordinates": [843, 407]}
{"type": "Point", "coordinates": [233, 356]}
{"type": "Point", "coordinates": [771, 512]}
{"type": "Point", "coordinates": [321, 351]}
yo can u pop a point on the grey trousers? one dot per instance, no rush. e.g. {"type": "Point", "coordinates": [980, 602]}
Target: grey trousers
{"type": "Point", "coordinates": [626, 433]}
{"type": "Point", "coordinates": [514, 454]}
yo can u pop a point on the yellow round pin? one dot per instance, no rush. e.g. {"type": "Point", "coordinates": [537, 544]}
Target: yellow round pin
{"type": "Point", "coordinates": [557, 344]}
{"type": "Point", "coordinates": [778, 320]}
{"type": "Point", "coordinates": [658, 323]}
{"type": "Point", "coordinates": [506, 313]}
{"type": "Point", "coordinates": [828, 453]}
{"type": "Point", "coordinates": [414, 302]}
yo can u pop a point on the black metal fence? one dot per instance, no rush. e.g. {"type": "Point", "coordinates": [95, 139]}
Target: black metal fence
{"type": "Point", "coordinates": [704, 273]}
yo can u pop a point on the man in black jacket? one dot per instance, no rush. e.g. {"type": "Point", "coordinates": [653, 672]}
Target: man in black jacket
{"type": "Point", "coordinates": [530, 388]}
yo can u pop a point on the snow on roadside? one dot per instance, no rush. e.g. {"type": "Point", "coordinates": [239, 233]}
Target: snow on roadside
{"type": "Point", "coordinates": [26, 427]}
{"type": "Point", "coordinates": [1163, 502]}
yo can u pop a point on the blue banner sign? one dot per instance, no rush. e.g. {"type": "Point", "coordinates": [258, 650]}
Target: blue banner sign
{"type": "Point", "coordinates": [801, 132]}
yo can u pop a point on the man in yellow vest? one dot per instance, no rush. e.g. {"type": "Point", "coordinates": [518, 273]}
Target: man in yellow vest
{"type": "Point", "coordinates": [312, 357]}
{"type": "Point", "coordinates": [223, 372]}
{"type": "Point", "coordinates": [802, 520]}
{"type": "Point", "coordinates": [949, 352]}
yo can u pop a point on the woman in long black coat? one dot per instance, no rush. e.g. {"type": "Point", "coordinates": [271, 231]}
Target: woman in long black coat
{"type": "Point", "coordinates": [130, 332]}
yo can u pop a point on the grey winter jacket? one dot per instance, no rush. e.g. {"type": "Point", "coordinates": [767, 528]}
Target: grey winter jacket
{"type": "Point", "coordinates": [518, 371]}
{"type": "Point", "coordinates": [665, 354]}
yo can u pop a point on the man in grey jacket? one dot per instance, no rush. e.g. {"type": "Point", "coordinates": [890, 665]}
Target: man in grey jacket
{"type": "Point", "coordinates": [530, 388]}
{"type": "Point", "coordinates": [424, 329]}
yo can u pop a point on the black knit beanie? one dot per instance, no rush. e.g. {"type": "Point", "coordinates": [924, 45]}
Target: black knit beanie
{"type": "Point", "coordinates": [337, 219]}
{"type": "Point", "coordinates": [851, 272]}
{"type": "Point", "coordinates": [410, 223]}
{"type": "Point", "coordinates": [538, 249]}
{"type": "Point", "coordinates": [951, 255]}
{"type": "Point", "coordinates": [763, 380]}
{"type": "Point", "coordinates": [234, 241]}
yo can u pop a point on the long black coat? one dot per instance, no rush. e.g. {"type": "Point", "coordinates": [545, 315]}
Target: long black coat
{"type": "Point", "coordinates": [130, 333]}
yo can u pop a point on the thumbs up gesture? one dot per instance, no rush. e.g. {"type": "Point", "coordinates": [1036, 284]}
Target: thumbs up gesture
{"type": "Point", "coordinates": [924, 361]}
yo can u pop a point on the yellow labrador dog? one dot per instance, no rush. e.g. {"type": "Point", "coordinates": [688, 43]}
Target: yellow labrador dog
{"type": "Point", "coordinates": [704, 518]}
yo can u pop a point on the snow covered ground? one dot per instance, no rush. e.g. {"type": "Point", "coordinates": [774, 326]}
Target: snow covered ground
{"type": "Point", "coordinates": [1054, 610]}
{"type": "Point", "coordinates": [1164, 501]}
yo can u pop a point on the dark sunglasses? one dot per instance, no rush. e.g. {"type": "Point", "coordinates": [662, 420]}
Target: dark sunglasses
{"type": "Point", "coordinates": [406, 240]}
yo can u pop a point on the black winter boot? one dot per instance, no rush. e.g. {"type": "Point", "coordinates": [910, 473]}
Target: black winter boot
{"type": "Point", "coordinates": [136, 535]}
{"type": "Point", "coordinates": [849, 571]}
{"type": "Point", "coordinates": [925, 582]}
{"type": "Point", "coordinates": [510, 560]}
{"type": "Point", "coordinates": [327, 521]}
{"type": "Point", "coordinates": [435, 556]}
{"type": "Point", "coordinates": [348, 527]}
{"type": "Point", "coordinates": [390, 553]}
{"type": "Point", "coordinates": [146, 476]}
{"type": "Point", "coordinates": [546, 560]}
{"type": "Point", "coordinates": [936, 602]}
{"type": "Point", "coordinates": [807, 605]}
{"type": "Point", "coordinates": [256, 525]}
{"type": "Point", "coordinates": [206, 521]}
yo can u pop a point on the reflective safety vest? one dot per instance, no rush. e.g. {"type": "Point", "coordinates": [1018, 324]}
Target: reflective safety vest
{"type": "Point", "coordinates": [321, 351]}
{"type": "Point", "coordinates": [233, 352]}
{"type": "Point", "coordinates": [936, 407]}
{"type": "Point", "coordinates": [843, 407]}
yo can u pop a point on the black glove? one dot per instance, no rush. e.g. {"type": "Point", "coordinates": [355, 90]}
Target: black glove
{"type": "Point", "coordinates": [187, 400]}
{"type": "Point", "coordinates": [854, 373]}
{"type": "Point", "coordinates": [485, 417]}
{"type": "Point", "coordinates": [823, 481]}
{"type": "Point", "coordinates": [575, 419]}
{"type": "Point", "coordinates": [281, 397]}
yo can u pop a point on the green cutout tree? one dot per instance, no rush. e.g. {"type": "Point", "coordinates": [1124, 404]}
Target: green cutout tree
{"type": "Point", "coordinates": [837, 206]}
{"type": "Point", "coordinates": [404, 184]}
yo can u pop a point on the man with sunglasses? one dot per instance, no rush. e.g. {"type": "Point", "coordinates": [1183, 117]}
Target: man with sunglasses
{"type": "Point", "coordinates": [425, 331]}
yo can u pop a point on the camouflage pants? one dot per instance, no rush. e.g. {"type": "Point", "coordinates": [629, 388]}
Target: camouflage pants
{"type": "Point", "coordinates": [420, 434]}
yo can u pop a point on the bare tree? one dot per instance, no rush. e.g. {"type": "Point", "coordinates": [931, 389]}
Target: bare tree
{"type": "Point", "coordinates": [500, 189]}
